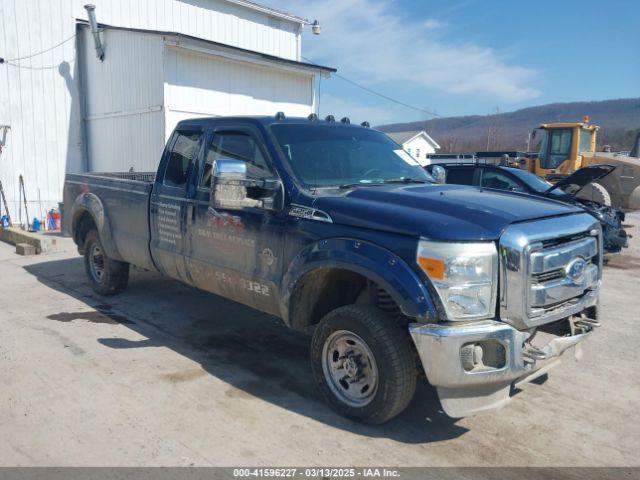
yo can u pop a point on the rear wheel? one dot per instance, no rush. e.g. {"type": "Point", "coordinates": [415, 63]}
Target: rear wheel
{"type": "Point", "coordinates": [363, 363]}
{"type": "Point", "coordinates": [107, 276]}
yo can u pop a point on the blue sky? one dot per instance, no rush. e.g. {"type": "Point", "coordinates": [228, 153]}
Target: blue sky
{"type": "Point", "coordinates": [470, 56]}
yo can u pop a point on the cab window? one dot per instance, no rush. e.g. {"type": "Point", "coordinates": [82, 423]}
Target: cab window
{"type": "Point", "coordinates": [499, 180]}
{"type": "Point", "coordinates": [585, 140]}
{"type": "Point", "coordinates": [235, 146]}
{"type": "Point", "coordinates": [183, 152]}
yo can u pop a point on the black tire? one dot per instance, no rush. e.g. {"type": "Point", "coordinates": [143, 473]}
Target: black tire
{"type": "Point", "coordinates": [107, 276]}
{"type": "Point", "coordinates": [393, 360]}
{"type": "Point", "coordinates": [595, 192]}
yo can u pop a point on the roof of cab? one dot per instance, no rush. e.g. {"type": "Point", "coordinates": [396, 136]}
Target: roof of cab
{"type": "Point", "coordinates": [269, 120]}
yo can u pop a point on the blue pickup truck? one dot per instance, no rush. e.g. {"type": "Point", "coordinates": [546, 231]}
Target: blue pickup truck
{"type": "Point", "coordinates": [336, 230]}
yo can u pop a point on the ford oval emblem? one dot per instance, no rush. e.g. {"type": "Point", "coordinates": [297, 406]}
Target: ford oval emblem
{"type": "Point", "coordinates": [575, 270]}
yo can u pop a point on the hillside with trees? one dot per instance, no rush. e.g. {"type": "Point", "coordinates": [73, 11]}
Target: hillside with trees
{"type": "Point", "coordinates": [619, 122]}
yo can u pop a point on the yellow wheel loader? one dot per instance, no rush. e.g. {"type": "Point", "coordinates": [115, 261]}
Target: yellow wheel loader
{"type": "Point", "coordinates": [567, 147]}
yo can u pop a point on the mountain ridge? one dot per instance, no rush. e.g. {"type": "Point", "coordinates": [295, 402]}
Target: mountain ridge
{"type": "Point", "coordinates": [619, 120]}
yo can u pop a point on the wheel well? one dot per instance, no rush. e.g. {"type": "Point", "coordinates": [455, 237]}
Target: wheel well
{"type": "Point", "coordinates": [320, 291]}
{"type": "Point", "coordinates": [83, 225]}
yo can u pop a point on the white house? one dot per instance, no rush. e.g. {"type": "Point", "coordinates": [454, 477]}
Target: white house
{"type": "Point", "coordinates": [417, 143]}
{"type": "Point", "coordinates": [164, 60]}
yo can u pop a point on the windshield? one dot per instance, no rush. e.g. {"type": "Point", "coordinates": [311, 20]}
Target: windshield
{"type": "Point", "coordinates": [335, 156]}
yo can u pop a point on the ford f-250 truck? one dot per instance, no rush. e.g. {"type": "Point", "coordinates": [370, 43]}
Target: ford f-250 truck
{"type": "Point", "coordinates": [335, 229]}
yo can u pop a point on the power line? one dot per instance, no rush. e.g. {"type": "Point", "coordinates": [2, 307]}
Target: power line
{"type": "Point", "coordinates": [381, 95]}
{"type": "Point", "coordinates": [46, 67]}
{"type": "Point", "coordinates": [9, 60]}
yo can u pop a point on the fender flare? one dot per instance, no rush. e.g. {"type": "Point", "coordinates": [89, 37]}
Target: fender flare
{"type": "Point", "coordinates": [385, 268]}
{"type": "Point", "coordinates": [91, 204]}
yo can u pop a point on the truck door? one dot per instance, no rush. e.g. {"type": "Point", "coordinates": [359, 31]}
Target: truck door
{"type": "Point", "coordinates": [236, 253]}
{"type": "Point", "coordinates": [169, 202]}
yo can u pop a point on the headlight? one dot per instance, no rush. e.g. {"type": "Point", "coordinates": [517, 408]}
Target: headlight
{"type": "Point", "coordinates": [464, 275]}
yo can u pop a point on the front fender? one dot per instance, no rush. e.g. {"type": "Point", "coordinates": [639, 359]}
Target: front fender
{"type": "Point", "coordinates": [378, 264]}
{"type": "Point", "coordinates": [90, 203]}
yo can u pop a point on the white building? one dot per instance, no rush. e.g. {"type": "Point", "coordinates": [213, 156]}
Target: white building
{"type": "Point", "coordinates": [164, 60]}
{"type": "Point", "coordinates": [417, 143]}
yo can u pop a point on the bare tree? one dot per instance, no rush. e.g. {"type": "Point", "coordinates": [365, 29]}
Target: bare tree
{"type": "Point", "coordinates": [494, 130]}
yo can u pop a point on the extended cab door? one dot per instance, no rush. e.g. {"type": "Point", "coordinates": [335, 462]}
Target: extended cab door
{"type": "Point", "coordinates": [169, 201]}
{"type": "Point", "coordinates": [236, 252]}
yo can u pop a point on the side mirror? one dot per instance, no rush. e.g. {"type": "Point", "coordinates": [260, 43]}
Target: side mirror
{"type": "Point", "coordinates": [232, 189]}
{"type": "Point", "coordinates": [227, 168]}
{"type": "Point", "coordinates": [439, 174]}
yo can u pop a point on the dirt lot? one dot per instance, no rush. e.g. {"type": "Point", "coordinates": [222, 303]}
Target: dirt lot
{"type": "Point", "coordinates": [167, 375]}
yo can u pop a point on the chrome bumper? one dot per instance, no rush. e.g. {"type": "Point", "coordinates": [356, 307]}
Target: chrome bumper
{"type": "Point", "coordinates": [465, 391]}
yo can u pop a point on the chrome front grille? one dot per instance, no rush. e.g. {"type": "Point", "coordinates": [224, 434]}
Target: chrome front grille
{"type": "Point", "coordinates": [561, 273]}
{"type": "Point", "coordinates": [549, 269]}
{"type": "Point", "coordinates": [547, 276]}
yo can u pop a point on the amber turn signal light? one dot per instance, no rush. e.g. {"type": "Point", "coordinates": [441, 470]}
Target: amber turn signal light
{"type": "Point", "coordinates": [433, 267]}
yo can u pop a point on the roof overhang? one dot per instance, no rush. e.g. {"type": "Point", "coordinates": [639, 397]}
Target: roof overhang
{"type": "Point", "coordinates": [209, 47]}
{"type": "Point", "coordinates": [270, 11]}
{"type": "Point", "coordinates": [427, 137]}
{"type": "Point", "coordinates": [569, 125]}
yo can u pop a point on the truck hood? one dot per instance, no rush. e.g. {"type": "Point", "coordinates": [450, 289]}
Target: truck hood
{"type": "Point", "coordinates": [582, 177]}
{"type": "Point", "coordinates": [443, 212]}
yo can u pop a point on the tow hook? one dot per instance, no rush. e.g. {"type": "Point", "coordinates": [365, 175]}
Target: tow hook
{"type": "Point", "coordinates": [586, 323]}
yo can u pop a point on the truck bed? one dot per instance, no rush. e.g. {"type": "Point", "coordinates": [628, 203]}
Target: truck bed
{"type": "Point", "coordinates": [123, 200]}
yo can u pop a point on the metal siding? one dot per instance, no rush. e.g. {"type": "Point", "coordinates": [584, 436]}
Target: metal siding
{"type": "Point", "coordinates": [198, 84]}
{"type": "Point", "coordinates": [39, 102]}
{"type": "Point", "coordinates": [124, 100]}
{"type": "Point", "coordinates": [42, 105]}
{"type": "Point", "coordinates": [216, 20]}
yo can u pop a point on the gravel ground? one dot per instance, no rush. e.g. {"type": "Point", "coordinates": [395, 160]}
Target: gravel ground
{"type": "Point", "coordinates": [167, 375]}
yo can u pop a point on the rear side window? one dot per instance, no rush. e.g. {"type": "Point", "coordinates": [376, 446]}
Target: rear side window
{"type": "Point", "coordinates": [183, 153]}
{"type": "Point", "coordinates": [499, 181]}
{"type": "Point", "coordinates": [460, 176]}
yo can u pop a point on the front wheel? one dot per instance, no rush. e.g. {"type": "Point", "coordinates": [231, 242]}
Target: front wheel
{"type": "Point", "coordinates": [107, 276]}
{"type": "Point", "coordinates": [595, 192]}
{"type": "Point", "coordinates": [363, 363]}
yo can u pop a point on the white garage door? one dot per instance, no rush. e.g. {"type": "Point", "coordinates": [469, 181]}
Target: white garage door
{"type": "Point", "coordinates": [198, 84]}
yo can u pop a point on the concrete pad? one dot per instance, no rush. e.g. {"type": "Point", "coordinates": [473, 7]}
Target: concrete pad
{"type": "Point", "coordinates": [43, 242]}
{"type": "Point", "coordinates": [25, 249]}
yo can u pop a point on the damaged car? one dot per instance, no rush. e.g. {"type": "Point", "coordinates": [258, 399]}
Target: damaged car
{"type": "Point", "coordinates": [573, 189]}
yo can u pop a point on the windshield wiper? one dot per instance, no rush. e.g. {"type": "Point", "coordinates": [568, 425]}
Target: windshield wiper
{"type": "Point", "coordinates": [382, 182]}
{"type": "Point", "coordinates": [359, 184]}
{"type": "Point", "coordinates": [405, 180]}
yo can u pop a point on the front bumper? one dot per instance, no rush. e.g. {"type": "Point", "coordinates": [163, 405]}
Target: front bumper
{"type": "Point", "coordinates": [470, 383]}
